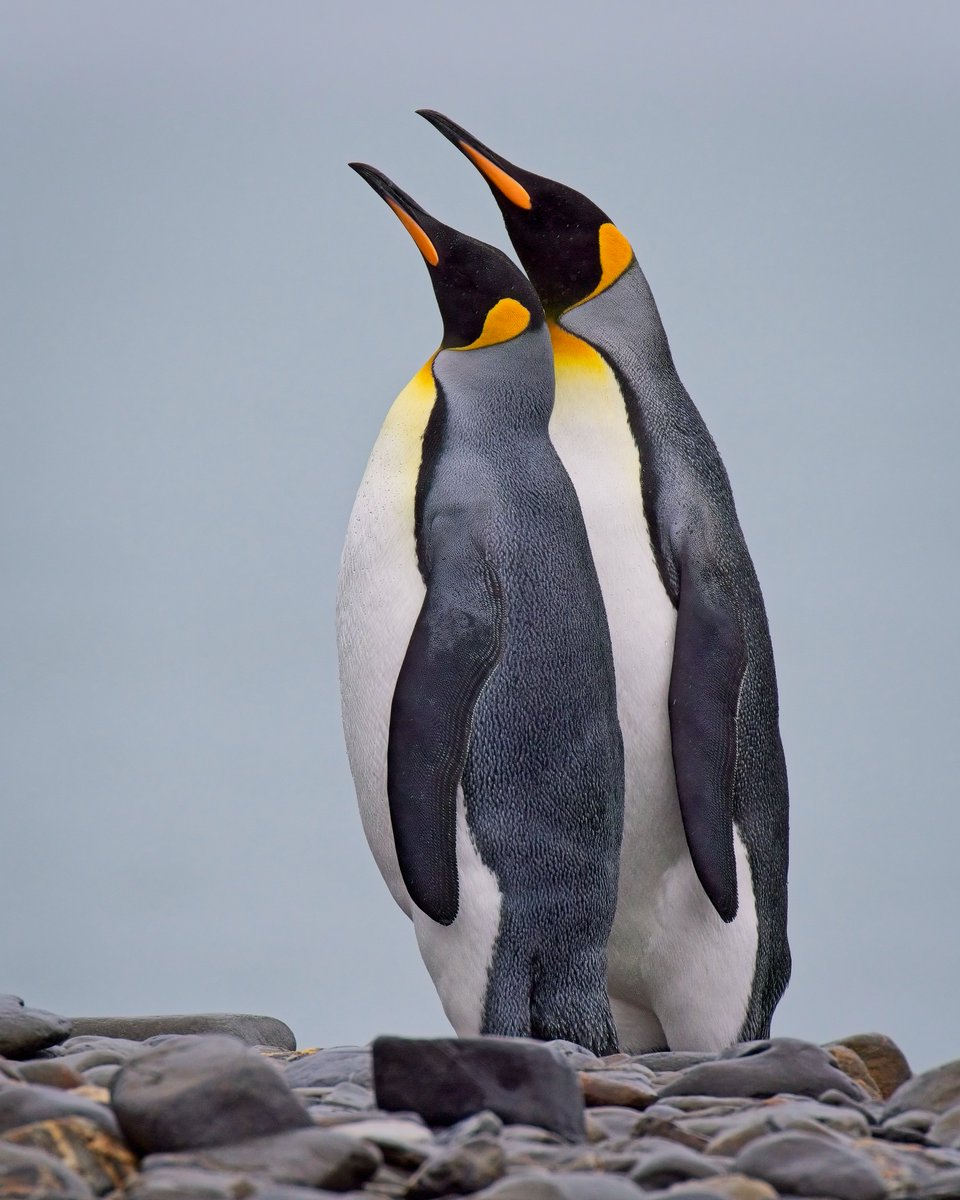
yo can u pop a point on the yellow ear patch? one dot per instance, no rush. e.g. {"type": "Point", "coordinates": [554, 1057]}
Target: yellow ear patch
{"type": "Point", "coordinates": [616, 254]}
{"type": "Point", "coordinates": [504, 321]}
{"type": "Point", "coordinates": [514, 192]}
{"type": "Point", "coordinates": [424, 245]}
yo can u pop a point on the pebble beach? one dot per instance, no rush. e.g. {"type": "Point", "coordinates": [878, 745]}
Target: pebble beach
{"type": "Point", "coordinates": [211, 1106]}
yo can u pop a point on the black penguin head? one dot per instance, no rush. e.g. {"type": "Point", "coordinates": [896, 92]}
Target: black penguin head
{"type": "Point", "coordinates": [482, 296]}
{"type": "Point", "coordinates": [568, 246]}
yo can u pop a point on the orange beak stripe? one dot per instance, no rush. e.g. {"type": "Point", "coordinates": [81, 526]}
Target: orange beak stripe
{"type": "Point", "coordinates": [513, 191]}
{"type": "Point", "coordinates": [424, 245]}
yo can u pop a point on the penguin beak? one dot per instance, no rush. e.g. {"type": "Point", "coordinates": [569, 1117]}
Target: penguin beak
{"type": "Point", "coordinates": [499, 173]}
{"type": "Point", "coordinates": [411, 215]}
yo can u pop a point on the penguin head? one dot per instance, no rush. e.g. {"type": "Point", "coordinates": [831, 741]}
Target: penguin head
{"type": "Point", "coordinates": [483, 297]}
{"type": "Point", "coordinates": [568, 246]}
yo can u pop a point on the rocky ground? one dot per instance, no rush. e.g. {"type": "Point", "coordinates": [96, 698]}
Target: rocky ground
{"type": "Point", "coordinates": [218, 1107]}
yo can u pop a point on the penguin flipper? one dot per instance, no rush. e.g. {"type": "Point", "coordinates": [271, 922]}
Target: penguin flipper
{"type": "Point", "coordinates": [709, 661]}
{"type": "Point", "coordinates": [454, 647]}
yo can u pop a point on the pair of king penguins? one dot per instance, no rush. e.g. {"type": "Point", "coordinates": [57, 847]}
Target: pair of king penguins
{"type": "Point", "coordinates": [557, 680]}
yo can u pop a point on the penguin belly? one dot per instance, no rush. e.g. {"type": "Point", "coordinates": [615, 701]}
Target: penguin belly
{"type": "Point", "coordinates": [678, 976]}
{"type": "Point", "coordinates": [379, 596]}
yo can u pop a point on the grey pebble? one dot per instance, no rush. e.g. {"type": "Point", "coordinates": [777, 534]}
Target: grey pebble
{"type": "Point", "coordinates": [329, 1067]}
{"type": "Point", "coordinates": [936, 1091]}
{"type": "Point", "coordinates": [674, 1164]}
{"type": "Point", "coordinates": [660, 1061]}
{"type": "Point", "coordinates": [764, 1068]}
{"type": "Point", "coordinates": [25, 1031]}
{"type": "Point", "coordinates": [314, 1158]}
{"type": "Point", "coordinates": [447, 1079]}
{"type": "Point", "coordinates": [563, 1186]}
{"type": "Point", "coordinates": [459, 1170]}
{"type": "Point", "coordinates": [189, 1183]}
{"type": "Point", "coordinates": [26, 1104]}
{"type": "Point", "coordinates": [32, 1173]}
{"type": "Point", "coordinates": [945, 1130]}
{"type": "Point", "coordinates": [252, 1029]}
{"type": "Point", "coordinates": [350, 1095]}
{"type": "Point", "coordinates": [196, 1092]}
{"type": "Point", "coordinates": [910, 1126]}
{"type": "Point", "coordinates": [482, 1124]}
{"type": "Point", "coordinates": [803, 1164]}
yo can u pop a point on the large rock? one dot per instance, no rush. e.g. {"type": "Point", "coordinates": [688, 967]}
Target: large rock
{"type": "Point", "coordinates": [763, 1069]}
{"type": "Point", "coordinates": [204, 1091]}
{"type": "Point", "coordinates": [314, 1158]}
{"type": "Point", "coordinates": [26, 1105]}
{"type": "Point", "coordinates": [803, 1164]}
{"type": "Point", "coordinates": [31, 1173]}
{"type": "Point", "coordinates": [447, 1079]}
{"type": "Point", "coordinates": [935, 1091]}
{"type": "Point", "coordinates": [254, 1030]}
{"type": "Point", "coordinates": [24, 1031]}
{"type": "Point", "coordinates": [882, 1057]}
{"type": "Point", "coordinates": [99, 1158]}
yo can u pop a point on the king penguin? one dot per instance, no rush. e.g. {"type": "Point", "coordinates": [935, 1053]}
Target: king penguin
{"type": "Point", "coordinates": [477, 679]}
{"type": "Point", "coordinates": [698, 956]}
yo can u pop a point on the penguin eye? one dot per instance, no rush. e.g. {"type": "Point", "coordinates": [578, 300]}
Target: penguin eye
{"type": "Point", "coordinates": [504, 321]}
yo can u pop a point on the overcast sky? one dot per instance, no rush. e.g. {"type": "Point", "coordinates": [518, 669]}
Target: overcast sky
{"type": "Point", "coordinates": [203, 318]}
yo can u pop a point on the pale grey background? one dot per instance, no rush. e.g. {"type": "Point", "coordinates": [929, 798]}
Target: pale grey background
{"type": "Point", "coordinates": [204, 318]}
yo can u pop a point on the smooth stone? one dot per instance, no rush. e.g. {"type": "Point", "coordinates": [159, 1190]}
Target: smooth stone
{"type": "Point", "coordinates": [447, 1079]}
{"type": "Point", "coordinates": [481, 1124]}
{"type": "Point", "coordinates": [102, 1160]}
{"type": "Point", "coordinates": [945, 1130]}
{"type": "Point", "coordinates": [403, 1144]}
{"type": "Point", "coordinates": [936, 1091]}
{"type": "Point", "coordinates": [726, 1187]}
{"type": "Point", "coordinates": [199, 1092]}
{"type": "Point", "coordinates": [189, 1183]}
{"type": "Point", "coordinates": [31, 1173]}
{"type": "Point", "coordinates": [882, 1057]}
{"type": "Point", "coordinates": [764, 1068]}
{"type": "Point", "coordinates": [24, 1031]}
{"type": "Point", "coordinates": [460, 1170]}
{"type": "Point", "coordinates": [314, 1158]}
{"type": "Point", "coordinates": [944, 1187]}
{"type": "Point", "coordinates": [904, 1169]}
{"type": "Point", "coordinates": [27, 1104]}
{"type": "Point", "coordinates": [676, 1164]}
{"type": "Point", "coordinates": [350, 1095]}
{"type": "Point", "coordinates": [779, 1115]}
{"type": "Point", "coordinates": [329, 1067]}
{"type": "Point", "coordinates": [853, 1066]}
{"type": "Point", "coordinates": [662, 1061]}
{"type": "Point", "coordinates": [658, 1126]}
{"type": "Point", "coordinates": [802, 1164]}
{"type": "Point", "coordinates": [576, 1056]}
{"type": "Point", "coordinates": [615, 1087]}
{"type": "Point", "coordinates": [611, 1122]}
{"type": "Point", "coordinates": [51, 1072]}
{"type": "Point", "coordinates": [563, 1186]}
{"type": "Point", "coordinates": [10, 1071]}
{"type": "Point", "coordinates": [910, 1126]}
{"type": "Point", "coordinates": [251, 1029]}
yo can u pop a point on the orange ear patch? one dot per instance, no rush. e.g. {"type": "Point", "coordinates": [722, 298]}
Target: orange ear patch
{"type": "Point", "coordinates": [504, 321]}
{"type": "Point", "coordinates": [616, 254]}
{"type": "Point", "coordinates": [514, 192]}
{"type": "Point", "coordinates": [424, 245]}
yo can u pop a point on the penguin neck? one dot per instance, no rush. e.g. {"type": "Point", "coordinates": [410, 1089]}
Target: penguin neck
{"type": "Point", "coordinates": [624, 315]}
{"type": "Point", "coordinates": [501, 388]}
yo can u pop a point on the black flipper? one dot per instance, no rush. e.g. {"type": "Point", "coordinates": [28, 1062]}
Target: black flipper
{"type": "Point", "coordinates": [454, 646]}
{"type": "Point", "coordinates": [709, 660]}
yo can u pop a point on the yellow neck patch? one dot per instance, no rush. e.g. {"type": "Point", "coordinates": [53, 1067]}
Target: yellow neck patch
{"type": "Point", "coordinates": [424, 245]}
{"type": "Point", "coordinates": [616, 254]}
{"type": "Point", "coordinates": [504, 321]}
{"type": "Point", "coordinates": [514, 192]}
{"type": "Point", "coordinates": [571, 353]}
